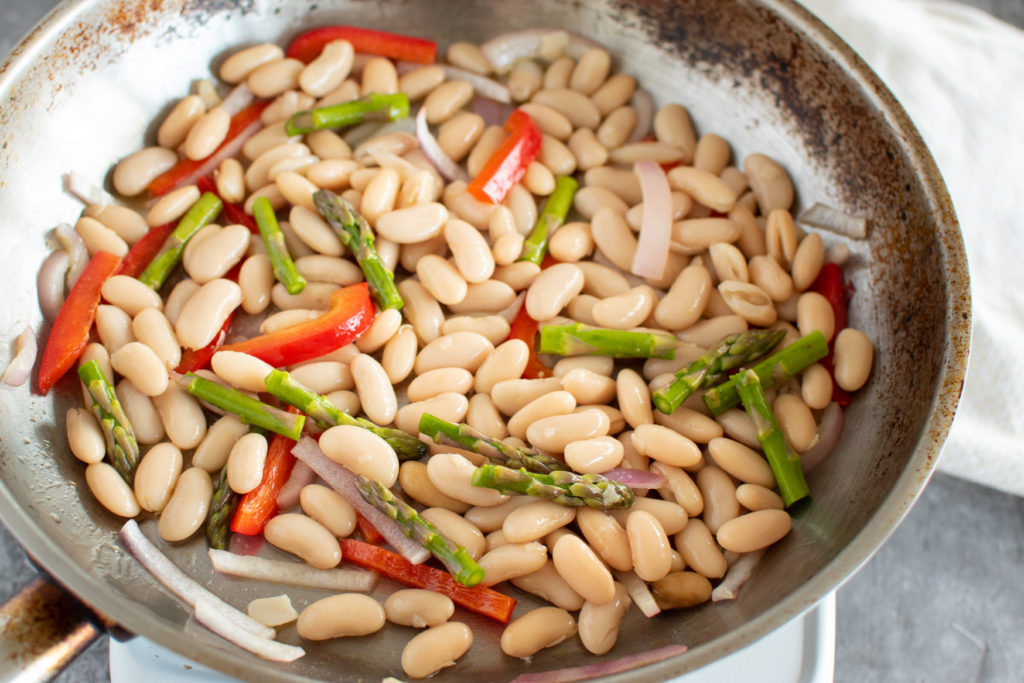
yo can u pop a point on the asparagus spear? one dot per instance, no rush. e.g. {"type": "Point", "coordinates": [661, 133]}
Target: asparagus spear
{"type": "Point", "coordinates": [285, 387]}
{"type": "Point", "coordinates": [578, 339]}
{"type": "Point", "coordinates": [222, 507]}
{"type": "Point", "coordinates": [203, 212]}
{"type": "Point", "coordinates": [729, 353]}
{"type": "Point", "coordinates": [552, 216]}
{"type": "Point", "coordinates": [563, 487]}
{"type": "Point", "coordinates": [356, 234]}
{"type": "Point", "coordinates": [785, 463]}
{"type": "Point", "coordinates": [273, 239]}
{"type": "Point", "coordinates": [122, 448]}
{"type": "Point", "coordinates": [774, 369]}
{"type": "Point", "coordinates": [458, 562]}
{"type": "Point", "coordinates": [248, 409]}
{"type": "Point", "coordinates": [464, 436]}
{"type": "Point", "coordinates": [372, 107]}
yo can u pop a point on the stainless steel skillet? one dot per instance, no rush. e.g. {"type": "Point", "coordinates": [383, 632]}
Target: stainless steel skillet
{"type": "Point", "coordinates": [85, 86]}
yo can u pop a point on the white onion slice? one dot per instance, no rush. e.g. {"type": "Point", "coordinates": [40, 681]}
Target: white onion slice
{"type": "Point", "coordinates": [86, 191]}
{"type": "Point", "coordinates": [302, 475]}
{"type": "Point", "coordinates": [230, 150]}
{"type": "Point", "coordinates": [656, 226]}
{"type": "Point", "coordinates": [614, 666]}
{"type": "Point", "coordinates": [739, 572]}
{"type": "Point", "coordinates": [344, 482]}
{"type": "Point", "coordinates": [238, 99]}
{"type": "Point", "coordinates": [829, 430]}
{"type": "Point", "coordinates": [20, 367]}
{"type": "Point", "coordinates": [834, 220]}
{"type": "Point", "coordinates": [180, 583]}
{"type": "Point", "coordinates": [210, 615]}
{"type": "Point", "coordinates": [488, 87]}
{"type": "Point", "coordinates": [640, 592]}
{"type": "Point", "coordinates": [50, 283]}
{"type": "Point", "coordinates": [448, 169]}
{"type": "Point", "coordinates": [293, 573]}
{"type": "Point", "coordinates": [636, 479]}
{"type": "Point", "coordinates": [643, 103]}
{"type": "Point", "coordinates": [73, 244]}
{"type": "Point", "coordinates": [547, 43]}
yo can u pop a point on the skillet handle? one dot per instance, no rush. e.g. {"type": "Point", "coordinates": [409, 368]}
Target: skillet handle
{"type": "Point", "coordinates": [42, 629]}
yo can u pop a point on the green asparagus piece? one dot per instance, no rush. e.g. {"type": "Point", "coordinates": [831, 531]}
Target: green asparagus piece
{"type": "Point", "coordinates": [285, 387]}
{"type": "Point", "coordinates": [122, 448]}
{"type": "Point", "coordinates": [458, 562]}
{"type": "Point", "coordinates": [774, 369]}
{"type": "Point", "coordinates": [372, 107]}
{"type": "Point", "coordinates": [552, 216]}
{"type": "Point", "coordinates": [248, 409]}
{"type": "Point", "coordinates": [785, 463]}
{"type": "Point", "coordinates": [273, 239]}
{"type": "Point", "coordinates": [356, 234]}
{"type": "Point", "coordinates": [464, 436]}
{"type": "Point", "coordinates": [731, 352]}
{"type": "Point", "coordinates": [563, 487]}
{"type": "Point", "coordinates": [203, 212]}
{"type": "Point", "coordinates": [577, 339]}
{"type": "Point", "coordinates": [222, 507]}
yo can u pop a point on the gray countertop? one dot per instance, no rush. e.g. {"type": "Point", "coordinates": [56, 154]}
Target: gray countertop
{"type": "Point", "coordinates": [941, 601]}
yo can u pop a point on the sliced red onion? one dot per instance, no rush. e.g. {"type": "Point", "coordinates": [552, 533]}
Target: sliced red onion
{"type": "Point", "coordinates": [448, 169]}
{"type": "Point", "coordinates": [344, 482]}
{"type": "Point", "coordinates": [636, 479]}
{"type": "Point", "coordinates": [20, 368]}
{"type": "Point", "coordinates": [293, 573]}
{"type": "Point", "coordinates": [50, 283]}
{"type": "Point", "coordinates": [210, 615]}
{"type": "Point", "coordinates": [493, 113]}
{"type": "Point", "coordinates": [656, 227]}
{"type": "Point", "coordinates": [75, 247]}
{"type": "Point", "coordinates": [614, 666]}
{"type": "Point", "coordinates": [829, 430]}
{"type": "Point", "coordinates": [85, 190]}
{"type": "Point", "coordinates": [834, 220]}
{"type": "Point", "coordinates": [488, 87]}
{"type": "Point", "coordinates": [640, 592]}
{"type": "Point", "coordinates": [242, 544]}
{"type": "Point", "coordinates": [302, 475]}
{"type": "Point", "coordinates": [230, 150]}
{"type": "Point", "coordinates": [180, 583]}
{"type": "Point", "coordinates": [643, 103]}
{"type": "Point", "coordinates": [238, 99]}
{"type": "Point", "coordinates": [546, 43]}
{"type": "Point", "coordinates": [739, 572]}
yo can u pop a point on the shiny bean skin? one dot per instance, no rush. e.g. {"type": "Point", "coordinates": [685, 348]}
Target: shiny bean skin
{"type": "Point", "coordinates": [524, 79]}
{"type": "Point", "coordinates": [172, 205]}
{"type": "Point", "coordinates": [241, 370]}
{"type": "Point", "coordinates": [361, 451]}
{"type": "Point", "coordinates": [754, 530]}
{"type": "Point", "coordinates": [853, 357]}
{"type": "Point", "coordinates": [450, 406]}
{"type": "Point", "coordinates": [135, 172]}
{"type": "Point", "coordinates": [658, 152]}
{"type": "Point", "coordinates": [489, 296]}
{"type": "Point", "coordinates": [275, 77]}
{"type": "Point", "coordinates": [690, 423]}
{"type": "Point", "coordinates": [535, 520]}
{"type": "Point", "coordinates": [483, 416]}
{"type": "Point", "coordinates": [512, 395]}
{"type": "Point", "coordinates": [739, 427]}
{"type": "Point", "coordinates": [441, 279]}
{"type": "Point", "coordinates": [339, 616]}
{"type": "Point", "coordinates": [437, 381]}
{"type": "Point", "coordinates": [418, 83]}
{"type": "Point", "coordinates": [399, 354]}
{"type": "Point", "coordinates": [436, 648]}
{"type": "Point", "coordinates": [648, 545]}
{"type": "Point", "coordinates": [459, 134]}
{"type": "Point", "coordinates": [613, 237]}
{"type": "Point", "coordinates": [418, 608]}
{"type": "Point", "coordinates": [698, 547]}
{"type": "Point", "coordinates": [627, 310]}
{"type": "Point", "coordinates": [559, 71]}
{"type": "Point", "coordinates": [175, 127]}
{"type": "Point", "coordinates": [577, 563]}
{"type": "Point", "coordinates": [452, 474]}
{"type": "Point", "coordinates": [706, 332]}
{"type": "Point", "coordinates": [466, 350]}
{"type": "Point", "coordinates": [110, 489]}
{"type": "Point", "coordinates": [141, 412]}
{"type": "Point", "coordinates": [719, 495]}
{"type": "Point", "coordinates": [469, 250]}
{"type": "Point", "coordinates": [816, 386]}
{"type": "Point", "coordinates": [592, 198]}
{"type": "Point", "coordinates": [186, 510]}
{"type": "Point", "coordinates": [98, 237]}
{"type": "Point", "coordinates": [446, 99]}
{"type": "Point", "coordinates": [415, 482]}
{"type": "Point", "coordinates": [796, 421]}
{"type": "Point", "coordinates": [156, 475]}
{"type": "Point", "coordinates": [379, 76]}
{"type": "Point", "coordinates": [256, 278]}
{"type": "Point", "coordinates": [634, 398]}
{"type": "Point", "coordinates": [594, 455]}
{"type": "Point", "coordinates": [680, 487]}
{"type": "Point", "coordinates": [459, 531]}
{"type": "Point", "coordinates": [537, 629]}
{"type": "Point", "coordinates": [741, 462]}
{"type": "Point", "coordinates": [771, 184]}
{"type": "Point", "coordinates": [245, 462]}
{"type": "Point", "coordinates": [556, 156]}
{"type": "Point", "coordinates": [814, 312]}
{"type": "Point", "coordinates": [304, 537]}
{"type": "Point", "coordinates": [599, 622]}
{"type": "Point", "coordinates": [552, 289]}
{"type": "Point", "coordinates": [552, 434]}
{"type": "Point", "coordinates": [236, 67]}
{"type": "Point", "coordinates": [672, 125]}
{"type": "Point", "coordinates": [317, 268]}
{"type": "Point", "coordinates": [681, 589]}
{"type": "Point", "coordinates": [494, 328]}
{"type": "Point", "coordinates": [807, 261]}
{"type": "Point", "coordinates": [588, 150]}
{"type": "Point", "coordinates": [749, 301]}
{"type": "Point", "coordinates": [507, 361]}
{"type": "Point", "coordinates": [204, 313]}
{"type": "Point", "coordinates": [546, 583]}
{"type": "Point", "coordinates": [523, 207]}
{"type": "Point", "coordinates": [329, 508]}
{"type": "Point", "coordinates": [755, 497]}
{"type": "Point", "coordinates": [511, 560]}
{"type": "Point", "coordinates": [548, 120]}
{"type": "Point", "coordinates": [613, 94]}
{"type": "Point", "coordinates": [376, 393]}
{"type": "Point", "coordinates": [85, 437]}
{"type": "Point", "coordinates": [217, 254]}
{"type": "Point", "coordinates": [706, 188]}
{"type": "Point", "coordinates": [617, 127]}
{"type": "Point", "coordinates": [130, 295]}
{"type": "Point", "coordinates": [205, 136]}
{"type": "Point", "coordinates": [125, 222]}
{"type": "Point", "coordinates": [328, 70]}
{"type": "Point", "coordinates": [572, 242]}
{"type": "Point", "coordinates": [665, 445]}
{"type": "Point", "coordinates": [140, 365]}
{"type": "Point", "coordinates": [547, 405]}
{"type": "Point", "coordinates": [606, 536]}
{"type": "Point", "coordinates": [575, 106]}
{"type": "Point", "coordinates": [422, 310]}
{"type": "Point", "coordinates": [766, 273]}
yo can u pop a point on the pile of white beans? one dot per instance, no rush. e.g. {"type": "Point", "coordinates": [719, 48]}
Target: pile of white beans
{"type": "Point", "coordinates": [748, 264]}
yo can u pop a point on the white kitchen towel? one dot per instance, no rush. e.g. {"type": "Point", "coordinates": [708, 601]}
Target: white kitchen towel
{"type": "Point", "coordinates": [959, 73]}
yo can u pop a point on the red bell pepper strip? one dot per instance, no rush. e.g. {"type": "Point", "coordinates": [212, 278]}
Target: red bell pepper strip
{"type": "Point", "coordinates": [70, 332]}
{"type": "Point", "coordinates": [145, 250]}
{"type": "Point", "coordinates": [233, 212]}
{"type": "Point", "coordinates": [307, 45]}
{"type": "Point", "coordinates": [831, 285]}
{"type": "Point", "coordinates": [479, 599]}
{"type": "Point", "coordinates": [524, 327]}
{"type": "Point", "coordinates": [168, 180]}
{"type": "Point", "coordinates": [369, 532]}
{"type": "Point", "coordinates": [259, 505]}
{"type": "Point", "coordinates": [350, 313]}
{"type": "Point", "coordinates": [507, 165]}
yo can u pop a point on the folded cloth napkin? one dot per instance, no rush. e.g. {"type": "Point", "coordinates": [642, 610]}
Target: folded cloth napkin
{"type": "Point", "coordinates": [959, 73]}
